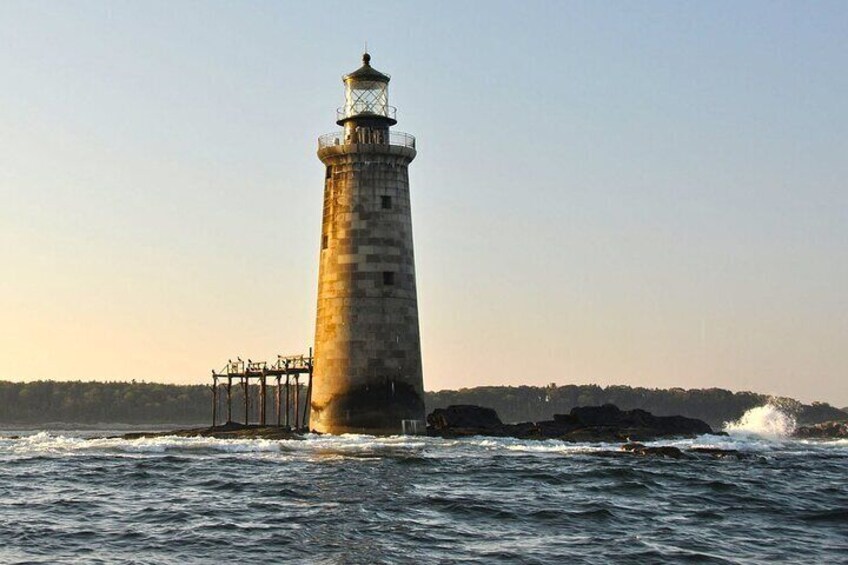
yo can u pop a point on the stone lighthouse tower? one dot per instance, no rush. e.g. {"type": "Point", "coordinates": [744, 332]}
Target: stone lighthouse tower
{"type": "Point", "coordinates": [367, 347]}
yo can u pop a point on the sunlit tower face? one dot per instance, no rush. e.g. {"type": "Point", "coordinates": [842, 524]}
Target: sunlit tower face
{"type": "Point", "coordinates": [368, 376]}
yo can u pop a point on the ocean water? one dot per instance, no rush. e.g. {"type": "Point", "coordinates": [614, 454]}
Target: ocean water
{"type": "Point", "coordinates": [359, 499]}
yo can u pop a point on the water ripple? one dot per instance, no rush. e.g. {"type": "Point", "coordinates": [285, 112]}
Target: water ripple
{"type": "Point", "coordinates": [356, 499]}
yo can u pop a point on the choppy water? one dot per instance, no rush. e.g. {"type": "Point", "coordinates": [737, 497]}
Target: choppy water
{"type": "Point", "coordinates": [358, 499]}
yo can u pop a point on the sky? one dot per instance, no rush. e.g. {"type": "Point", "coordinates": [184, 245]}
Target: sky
{"type": "Point", "coordinates": [641, 193]}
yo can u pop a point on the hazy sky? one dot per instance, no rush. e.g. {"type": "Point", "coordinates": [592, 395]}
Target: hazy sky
{"type": "Point", "coordinates": [645, 193]}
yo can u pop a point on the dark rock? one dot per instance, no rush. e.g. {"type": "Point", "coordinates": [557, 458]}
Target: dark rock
{"type": "Point", "coordinates": [719, 453]}
{"type": "Point", "coordinates": [230, 430]}
{"type": "Point", "coordinates": [595, 415]}
{"type": "Point", "coordinates": [826, 430]}
{"type": "Point", "coordinates": [632, 446]}
{"type": "Point", "coordinates": [567, 419]}
{"type": "Point", "coordinates": [557, 427]}
{"type": "Point", "coordinates": [639, 422]}
{"type": "Point", "coordinates": [229, 427]}
{"type": "Point", "coordinates": [675, 453]}
{"type": "Point", "coordinates": [464, 416]}
{"type": "Point", "coordinates": [663, 451]}
{"type": "Point", "coordinates": [584, 424]}
{"type": "Point", "coordinates": [597, 434]}
{"type": "Point", "coordinates": [524, 430]}
{"type": "Point", "coordinates": [658, 451]}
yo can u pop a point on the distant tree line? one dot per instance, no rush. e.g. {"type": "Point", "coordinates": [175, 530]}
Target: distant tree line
{"type": "Point", "coordinates": [126, 402]}
{"type": "Point", "coordinates": [102, 402]}
{"type": "Point", "coordinates": [153, 403]}
{"type": "Point", "coordinates": [713, 405]}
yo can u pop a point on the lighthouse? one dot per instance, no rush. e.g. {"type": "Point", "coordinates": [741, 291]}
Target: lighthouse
{"type": "Point", "coordinates": [367, 372]}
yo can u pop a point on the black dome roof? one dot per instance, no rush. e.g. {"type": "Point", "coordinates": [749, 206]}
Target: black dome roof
{"type": "Point", "coordinates": [367, 72]}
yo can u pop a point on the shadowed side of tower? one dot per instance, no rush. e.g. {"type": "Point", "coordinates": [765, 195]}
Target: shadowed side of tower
{"type": "Point", "coordinates": [367, 347]}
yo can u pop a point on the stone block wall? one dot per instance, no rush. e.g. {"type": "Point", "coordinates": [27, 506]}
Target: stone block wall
{"type": "Point", "coordinates": [367, 347]}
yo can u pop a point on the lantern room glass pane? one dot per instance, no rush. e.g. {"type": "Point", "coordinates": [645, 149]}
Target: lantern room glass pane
{"type": "Point", "coordinates": [370, 97]}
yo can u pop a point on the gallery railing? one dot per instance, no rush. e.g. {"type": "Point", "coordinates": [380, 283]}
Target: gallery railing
{"type": "Point", "coordinates": [376, 137]}
{"type": "Point", "coordinates": [362, 108]}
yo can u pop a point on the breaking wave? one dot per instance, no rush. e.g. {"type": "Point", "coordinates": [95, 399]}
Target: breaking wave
{"type": "Point", "coordinates": [755, 431]}
{"type": "Point", "coordinates": [766, 421]}
{"type": "Point", "coordinates": [55, 443]}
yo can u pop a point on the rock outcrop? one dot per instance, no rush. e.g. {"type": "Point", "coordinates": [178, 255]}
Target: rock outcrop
{"type": "Point", "coordinates": [827, 430]}
{"type": "Point", "coordinates": [672, 452]}
{"type": "Point", "coordinates": [656, 451]}
{"type": "Point", "coordinates": [605, 423]}
{"type": "Point", "coordinates": [230, 430]}
{"type": "Point", "coordinates": [464, 416]}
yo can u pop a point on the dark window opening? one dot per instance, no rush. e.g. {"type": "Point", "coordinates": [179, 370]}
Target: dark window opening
{"type": "Point", "coordinates": [388, 278]}
{"type": "Point", "coordinates": [386, 202]}
{"type": "Point", "coordinates": [329, 172]}
{"type": "Point", "coordinates": [325, 241]}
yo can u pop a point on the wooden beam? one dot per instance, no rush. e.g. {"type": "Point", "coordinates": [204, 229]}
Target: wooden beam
{"type": "Point", "coordinates": [214, 401]}
{"type": "Point", "coordinates": [229, 399]}
{"type": "Point", "coordinates": [296, 402]}
{"type": "Point", "coordinates": [285, 366]}
{"type": "Point", "coordinates": [288, 402]}
{"type": "Point", "coordinates": [279, 403]}
{"type": "Point", "coordinates": [246, 385]}
{"type": "Point", "coordinates": [306, 406]}
{"type": "Point", "coordinates": [263, 391]}
{"type": "Point", "coordinates": [307, 414]}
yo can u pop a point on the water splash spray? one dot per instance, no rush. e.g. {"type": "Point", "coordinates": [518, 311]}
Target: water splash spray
{"type": "Point", "coordinates": [766, 421]}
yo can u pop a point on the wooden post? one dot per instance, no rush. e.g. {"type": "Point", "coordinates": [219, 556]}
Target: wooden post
{"type": "Point", "coordinates": [306, 405]}
{"type": "Point", "coordinates": [229, 399]}
{"type": "Point", "coordinates": [306, 412]}
{"type": "Point", "coordinates": [214, 400]}
{"type": "Point", "coordinates": [297, 401]}
{"type": "Point", "coordinates": [279, 403]}
{"type": "Point", "coordinates": [246, 384]}
{"type": "Point", "coordinates": [262, 399]}
{"type": "Point", "coordinates": [288, 401]}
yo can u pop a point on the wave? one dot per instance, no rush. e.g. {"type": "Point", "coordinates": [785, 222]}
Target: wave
{"type": "Point", "coordinates": [767, 421]}
{"type": "Point", "coordinates": [49, 443]}
{"type": "Point", "coordinates": [761, 430]}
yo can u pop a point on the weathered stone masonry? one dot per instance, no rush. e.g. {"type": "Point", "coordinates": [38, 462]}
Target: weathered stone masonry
{"type": "Point", "coordinates": [367, 347]}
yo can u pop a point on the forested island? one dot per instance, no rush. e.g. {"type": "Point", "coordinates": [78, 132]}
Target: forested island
{"type": "Point", "coordinates": [712, 405]}
{"type": "Point", "coordinates": [42, 402]}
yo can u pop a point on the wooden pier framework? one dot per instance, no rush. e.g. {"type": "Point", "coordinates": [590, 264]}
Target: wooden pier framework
{"type": "Point", "coordinates": [290, 368]}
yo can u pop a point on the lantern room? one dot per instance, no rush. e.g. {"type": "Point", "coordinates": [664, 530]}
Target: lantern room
{"type": "Point", "coordinates": [366, 105]}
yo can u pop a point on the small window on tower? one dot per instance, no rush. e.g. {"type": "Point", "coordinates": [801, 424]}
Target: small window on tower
{"type": "Point", "coordinates": [388, 278]}
{"type": "Point", "coordinates": [325, 241]}
{"type": "Point", "coordinates": [386, 202]}
{"type": "Point", "coordinates": [329, 173]}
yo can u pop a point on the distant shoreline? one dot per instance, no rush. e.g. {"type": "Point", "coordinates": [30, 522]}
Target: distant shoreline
{"type": "Point", "coordinates": [118, 404]}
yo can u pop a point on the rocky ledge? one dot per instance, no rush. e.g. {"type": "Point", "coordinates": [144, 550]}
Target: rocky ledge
{"type": "Point", "coordinates": [837, 429]}
{"type": "Point", "coordinates": [605, 423]}
{"type": "Point", "coordinates": [230, 430]}
{"type": "Point", "coordinates": [671, 452]}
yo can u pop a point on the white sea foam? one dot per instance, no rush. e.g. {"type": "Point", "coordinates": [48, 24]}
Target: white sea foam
{"type": "Point", "coordinates": [766, 421]}
{"type": "Point", "coordinates": [323, 446]}
{"type": "Point", "coordinates": [349, 445]}
{"type": "Point", "coordinates": [759, 430]}
{"type": "Point", "coordinates": [49, 443]}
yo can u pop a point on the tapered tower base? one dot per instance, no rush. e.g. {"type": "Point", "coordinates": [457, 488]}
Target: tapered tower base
{"type": "Point", "coordinates": [367, 347]}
